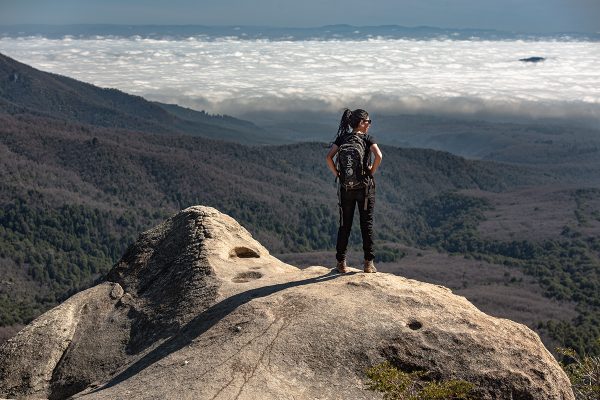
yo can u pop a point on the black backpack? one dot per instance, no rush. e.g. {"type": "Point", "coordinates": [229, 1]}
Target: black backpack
{"type": "Point", "coordinates": [350, 161]}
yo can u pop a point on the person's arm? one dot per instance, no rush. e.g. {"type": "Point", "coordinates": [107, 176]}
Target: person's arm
{"type": "Point", "coordinates": [329, 158]}
{"type": "Point", "coordinates": [378, 157]}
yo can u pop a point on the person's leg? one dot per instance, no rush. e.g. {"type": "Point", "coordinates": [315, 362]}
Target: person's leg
{"type": "Point", "coordinates": [348, 201]}
{"type": "Point", "coordinates": [366, 222]}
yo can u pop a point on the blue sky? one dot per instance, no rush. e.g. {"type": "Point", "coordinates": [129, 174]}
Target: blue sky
{"type": "Point", "coordinates": [516, 15]}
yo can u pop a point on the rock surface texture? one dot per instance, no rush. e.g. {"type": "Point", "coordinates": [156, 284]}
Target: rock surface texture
{"type": "Point", "coordinates": [198, 309]}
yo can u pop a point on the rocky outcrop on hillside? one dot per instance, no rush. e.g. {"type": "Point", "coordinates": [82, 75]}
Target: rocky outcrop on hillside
{"type": "Point", "coordinates": [197, 308]}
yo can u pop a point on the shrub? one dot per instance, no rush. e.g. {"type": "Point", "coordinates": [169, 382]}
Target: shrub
{"type": "Point", "coordinates": [584, 373]}
{"type": "Point", "coordinates": [389, 254]}
{"type": "Point", "coordinates": [398, 385]}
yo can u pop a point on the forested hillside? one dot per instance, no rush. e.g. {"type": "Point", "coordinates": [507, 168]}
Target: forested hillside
{"type": "Point", "coordinates": [26, 89]}
{"type": "Point", "coordinates": [569, 149]}
{"type": "Point", "coordinates": [567, 266]}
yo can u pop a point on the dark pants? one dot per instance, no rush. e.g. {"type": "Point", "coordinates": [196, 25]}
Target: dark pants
{"type": "Point", "coordinates": [348, 200]}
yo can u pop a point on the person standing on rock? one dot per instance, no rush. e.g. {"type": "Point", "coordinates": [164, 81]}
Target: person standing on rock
{"type": "Point", "coordinates": [353, 146]}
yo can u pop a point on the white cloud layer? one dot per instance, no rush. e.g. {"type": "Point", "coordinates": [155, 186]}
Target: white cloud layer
{"type": "Point", "coordinates": [235, 76]}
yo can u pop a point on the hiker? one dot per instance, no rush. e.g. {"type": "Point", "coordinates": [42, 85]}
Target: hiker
{"type": "Point", "coordinates": [355, 172]}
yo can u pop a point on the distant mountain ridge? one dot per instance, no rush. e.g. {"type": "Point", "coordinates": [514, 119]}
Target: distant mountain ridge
{"type": "Point", "coordinates": [241, 32]}
{"type": "Point", "coordinates": [25, 88]}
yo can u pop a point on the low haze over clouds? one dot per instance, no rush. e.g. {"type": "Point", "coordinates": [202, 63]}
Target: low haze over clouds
{"type": "Point", "coordinates": [433, 76]}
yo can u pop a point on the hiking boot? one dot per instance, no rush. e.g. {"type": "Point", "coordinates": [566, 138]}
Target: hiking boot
{"type": "Point", "coordinates": [342, 268]}
{"type": "Point", "coordinates": [370, 266]}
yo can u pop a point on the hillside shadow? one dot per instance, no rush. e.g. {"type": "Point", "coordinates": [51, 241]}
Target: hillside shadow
{"type": "Point", "coordinates": [204, 321]}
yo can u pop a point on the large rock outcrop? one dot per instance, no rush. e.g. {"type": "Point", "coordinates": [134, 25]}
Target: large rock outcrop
{"type": "Point", "coordinates": [198, 309]}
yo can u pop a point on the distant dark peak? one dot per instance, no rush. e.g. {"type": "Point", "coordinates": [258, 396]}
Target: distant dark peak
{"type": "Point", "coordinates": [533, 59]}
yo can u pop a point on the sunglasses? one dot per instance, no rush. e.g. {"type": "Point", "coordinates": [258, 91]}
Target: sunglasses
{"type": "Point", "coordinates": [368, 121]}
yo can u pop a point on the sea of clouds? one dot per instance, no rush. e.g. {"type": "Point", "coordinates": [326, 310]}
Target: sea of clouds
{"type": "Point", "coordinates": [233, 76]}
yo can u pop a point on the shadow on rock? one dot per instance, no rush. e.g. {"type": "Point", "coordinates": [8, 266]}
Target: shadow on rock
{"type": "Point", "coordinates": [205, 321]}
